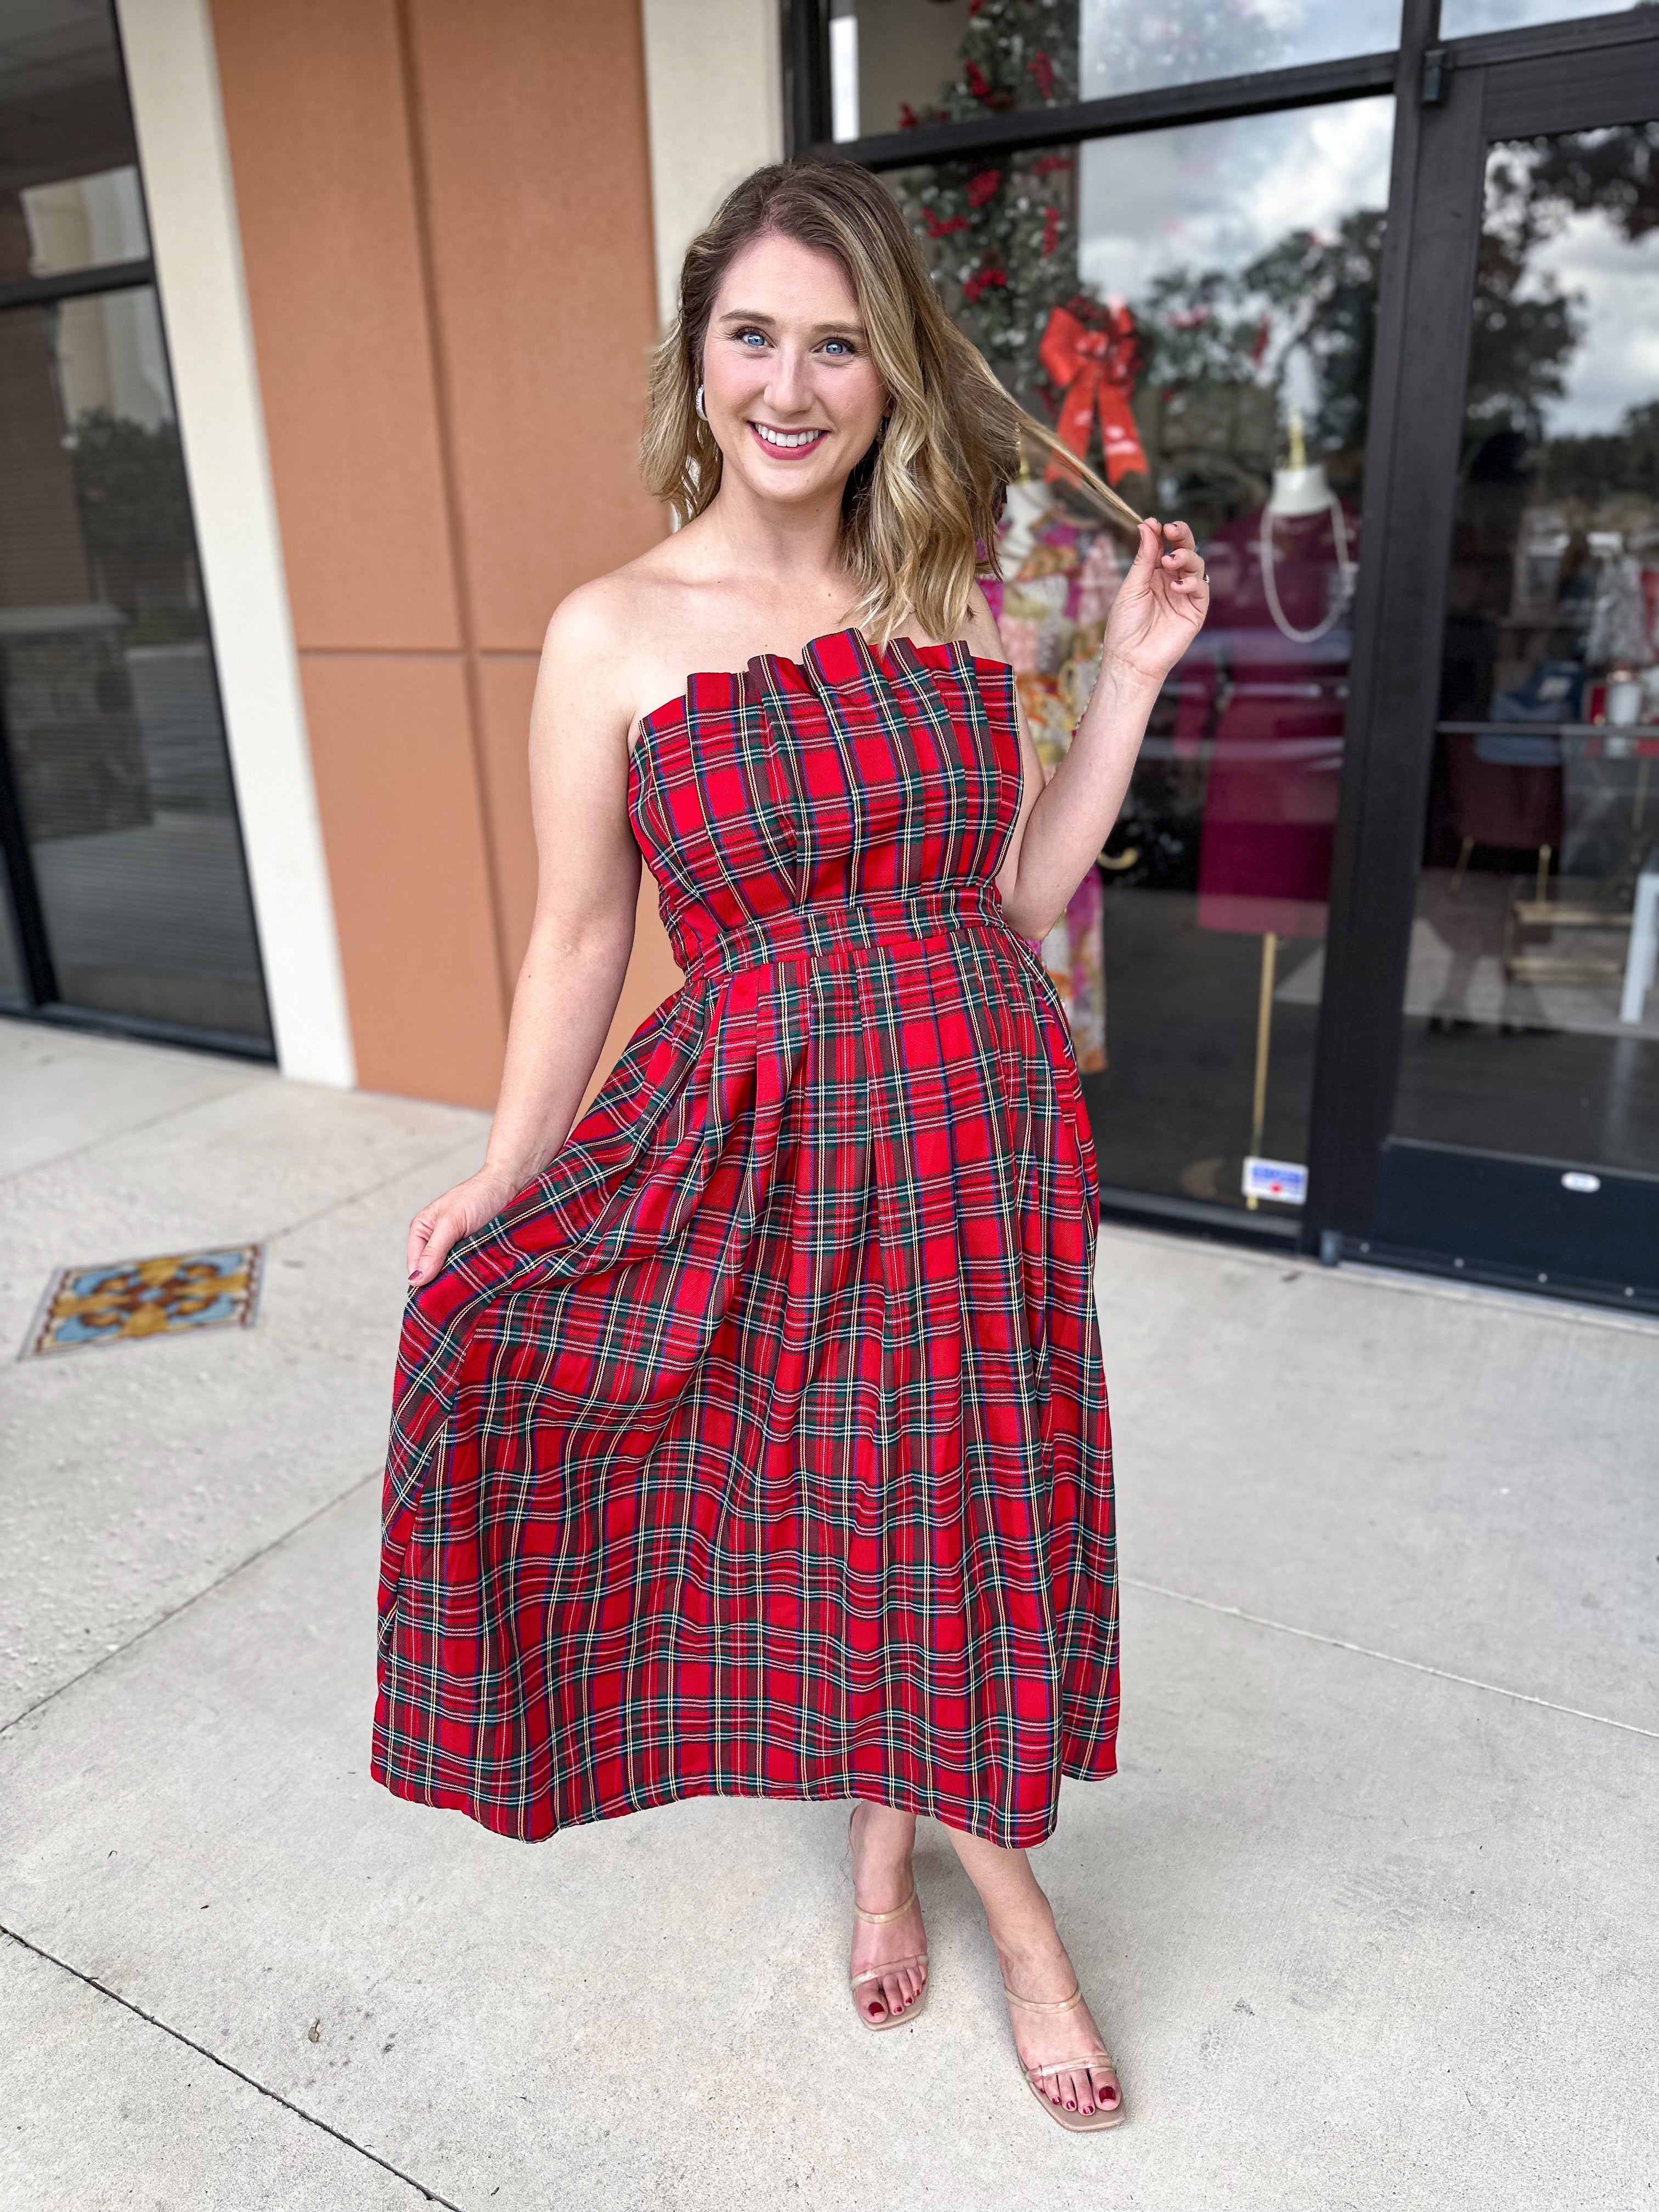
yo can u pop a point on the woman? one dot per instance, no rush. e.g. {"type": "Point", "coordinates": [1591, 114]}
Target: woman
{"type": "Point", "coordinates": [751, 1436]}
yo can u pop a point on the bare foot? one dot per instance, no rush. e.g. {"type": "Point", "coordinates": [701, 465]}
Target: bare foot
{"type": "Point", "coordinates": [1035, 1967]}
{"type": "Point", "coordinates": [882, 1841]}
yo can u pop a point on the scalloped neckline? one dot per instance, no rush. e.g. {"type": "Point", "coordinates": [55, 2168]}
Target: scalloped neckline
{"type": "Point", "coordinates": [682, 697]}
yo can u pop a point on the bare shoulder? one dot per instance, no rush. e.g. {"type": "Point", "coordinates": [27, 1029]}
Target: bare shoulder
{"type": "Point", "coordinates": [980, 627]}
{"type": "Point", "coordinates": [627, 638]}
{"type": "Point", "coordinates": [594, 619]}
{"type": "Point", "coordinates": [593, 638]}
{"type": "Point", "coordinates": [582, 697]}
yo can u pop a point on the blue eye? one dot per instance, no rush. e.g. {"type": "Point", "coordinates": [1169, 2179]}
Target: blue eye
{"type": "Point", "coordinates": [743, 336]}
{"type": "Point", "coordinates": [836, 343]}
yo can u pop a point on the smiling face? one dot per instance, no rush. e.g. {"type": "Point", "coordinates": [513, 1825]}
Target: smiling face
{"type": "Point", "coordinates": [792, 398]}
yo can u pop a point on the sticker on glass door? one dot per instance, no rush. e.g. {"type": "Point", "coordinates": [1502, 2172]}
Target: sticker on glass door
{"type": "Point", "coordinates": [1283, 1181]}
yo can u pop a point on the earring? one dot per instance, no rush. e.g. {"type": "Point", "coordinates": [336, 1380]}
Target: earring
{"type": "Point", "coordinates": [701, 409]}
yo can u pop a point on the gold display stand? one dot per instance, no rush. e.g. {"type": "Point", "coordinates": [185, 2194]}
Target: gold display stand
{"type": "Point", "coordinates": [1264, 1031]}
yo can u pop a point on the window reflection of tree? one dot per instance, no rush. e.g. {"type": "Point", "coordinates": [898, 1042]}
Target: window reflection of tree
{"type": "Point", "coordinates": [1216, 342]}
{"type": "Point", "coordinates": [1550, 599]}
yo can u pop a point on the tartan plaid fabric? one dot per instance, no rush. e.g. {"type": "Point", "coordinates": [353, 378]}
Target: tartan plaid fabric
{"type": "Point", "coordinates": [761, 1445]}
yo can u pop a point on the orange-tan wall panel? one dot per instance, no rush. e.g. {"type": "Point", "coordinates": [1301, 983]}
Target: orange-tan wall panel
{"type": "Point", "coordinates": [445, 216]}
{"type": "Point", "coordinates": [399, 794]}
{"type": "Point", "coordinates": [537, 163]}
{"type": "Point", "coordinates": [318, 124]}
{"type": "Point", "coordinates": [506, 688]}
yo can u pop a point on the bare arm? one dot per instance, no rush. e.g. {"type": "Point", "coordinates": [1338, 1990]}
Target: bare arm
{"type": "Point", "coordinates": [1063, 824]}
{"type": "Point", "coordinates": [588, 891]}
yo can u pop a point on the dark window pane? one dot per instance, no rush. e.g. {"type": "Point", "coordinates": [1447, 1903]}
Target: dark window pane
{"type": "Point", "coordinates": [69, 180]}
{"type": "Point", "coordinates": [107, 696]}
{"type": "Point", "coordinates": [1194, 307]}
{"type": "Point", "coordinates": [898, 61]}
{"type": "Point", "coordinates": [13, 988]}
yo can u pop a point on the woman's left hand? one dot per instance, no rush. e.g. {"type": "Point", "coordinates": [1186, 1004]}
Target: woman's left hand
{"type": "Point", "coordinates": [1160, 605]}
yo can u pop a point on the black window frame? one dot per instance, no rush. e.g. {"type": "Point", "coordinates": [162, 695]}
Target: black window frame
{"type": "Point", "coordinates": [1544, 78]}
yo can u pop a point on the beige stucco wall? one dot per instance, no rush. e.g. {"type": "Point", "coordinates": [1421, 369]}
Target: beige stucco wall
{"type": "Point", "coordinates": [714, 86]}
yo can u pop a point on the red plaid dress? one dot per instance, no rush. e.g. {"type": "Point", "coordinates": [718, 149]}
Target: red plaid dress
{"type": "Point", "coordinates": [761, 1445]}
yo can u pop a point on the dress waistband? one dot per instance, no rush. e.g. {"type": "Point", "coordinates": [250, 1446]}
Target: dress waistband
{"type": "Point", "coordinates": [827, 932]}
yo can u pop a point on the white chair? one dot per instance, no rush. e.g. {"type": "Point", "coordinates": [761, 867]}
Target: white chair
{"type": "Point", "coordinates": [1644, 954]}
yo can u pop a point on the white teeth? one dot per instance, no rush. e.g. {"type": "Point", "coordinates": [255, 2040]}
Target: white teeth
{"type": "Point", "coordinates": [787, 439]}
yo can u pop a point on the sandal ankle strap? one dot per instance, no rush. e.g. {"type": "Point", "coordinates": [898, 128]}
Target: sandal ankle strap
{"type": "Point", "coordinates": [879, 1919]}
{"type": "Point", "coordinates": [1040, 2004]}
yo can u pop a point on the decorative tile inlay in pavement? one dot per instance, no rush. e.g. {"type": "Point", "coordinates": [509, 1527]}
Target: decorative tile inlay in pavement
{"type": "Point", "coordinates": [130, 1298]}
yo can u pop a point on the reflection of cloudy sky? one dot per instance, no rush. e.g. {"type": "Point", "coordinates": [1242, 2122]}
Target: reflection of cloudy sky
{"type": "Point", "coordinates": [1129, 45]}
{"type": "Point", "coordinates": [1462, 19]}
{"type": "Point", "coordinates": [1215, 194]}
{"type": "Point", "coordinates": [1617, 366]}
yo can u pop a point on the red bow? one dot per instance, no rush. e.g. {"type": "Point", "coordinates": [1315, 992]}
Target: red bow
{"type": "Point", "coordinates": [1093, 368]}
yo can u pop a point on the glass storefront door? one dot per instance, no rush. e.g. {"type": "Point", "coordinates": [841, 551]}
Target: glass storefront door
{"type": "Point", "coordinates": [126, 894]}
{"type": "Point", "coordinates": [1523, 1135]}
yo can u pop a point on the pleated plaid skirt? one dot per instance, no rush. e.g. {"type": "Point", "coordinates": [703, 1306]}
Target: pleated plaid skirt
{"type": "Point", "coordinates": [761, 1445]}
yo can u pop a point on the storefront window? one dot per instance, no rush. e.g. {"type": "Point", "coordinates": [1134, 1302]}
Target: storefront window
{"type": "Point", "coordinates": [111, 710]}
{"type": "Point", "coordinates": [126, 893]}
{"type": "Point", "coordinates": [1126, 46]}
{"type": "Point", "coordinates": [69, 180]}
{"type": "Point", "coordinates": [1193, 308]}
{"type": "Point", "coordinates": [937, 60]}
{"type": "Point", "coordinates": [1532, 1014]}
{"type": "Point", "coordinates": [1465, 19]}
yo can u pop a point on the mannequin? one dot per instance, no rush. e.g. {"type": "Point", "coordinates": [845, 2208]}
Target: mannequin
{"type": "Point", "coordinates": [1301, 488]}
{"type": "Point", "coordinates": [1272, 704]}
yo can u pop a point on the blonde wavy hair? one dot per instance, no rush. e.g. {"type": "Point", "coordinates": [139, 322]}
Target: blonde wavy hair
{"type": "Point", "coordinates": [919, 512]}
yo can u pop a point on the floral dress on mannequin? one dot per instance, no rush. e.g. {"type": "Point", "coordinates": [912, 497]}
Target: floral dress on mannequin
{"type": "Point", "coordinates": [1061, 578]}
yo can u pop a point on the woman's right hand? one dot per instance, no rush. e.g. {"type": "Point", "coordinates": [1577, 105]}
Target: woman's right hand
{"type": "Point", "coordinates": [436, 1229]}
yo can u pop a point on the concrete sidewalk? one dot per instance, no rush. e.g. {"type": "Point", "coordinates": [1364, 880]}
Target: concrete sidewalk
{"type": "Point", "coordinates": [1367, 1915]}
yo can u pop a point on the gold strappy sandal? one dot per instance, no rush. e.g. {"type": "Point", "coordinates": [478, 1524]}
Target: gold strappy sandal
{"type": "Point", "coordinates": [892, 1966]}
{"type": "Point", "coordinates": [1106, 2115]}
